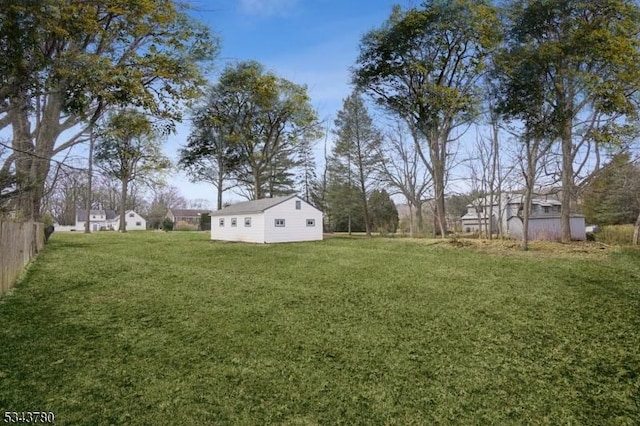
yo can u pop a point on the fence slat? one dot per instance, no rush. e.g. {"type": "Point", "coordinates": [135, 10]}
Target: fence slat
{"type": "Point", "coordinates": [19, 243]}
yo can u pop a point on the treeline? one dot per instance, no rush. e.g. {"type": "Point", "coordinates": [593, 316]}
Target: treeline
{"type": "Point", "coordinates": [548, 88]}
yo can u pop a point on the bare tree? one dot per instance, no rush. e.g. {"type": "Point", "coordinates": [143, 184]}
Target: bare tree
{"type": "Point", "coordinates": [402, 171]}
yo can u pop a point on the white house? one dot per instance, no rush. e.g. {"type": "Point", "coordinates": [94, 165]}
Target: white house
{"type": "Point", "coordinates": [544, 222]}
{"type": "Point", "coordinates": [268, 220]}
{"type": "Point", "coordinates": [104, 220]}
{"type": "Point", "coordinates": [98, 220]}
{"type": "Point", "coordinates": [134, 222]}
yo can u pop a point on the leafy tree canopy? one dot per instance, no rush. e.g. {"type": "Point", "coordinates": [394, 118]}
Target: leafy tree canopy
{"type": "Point", "coordinates": [613, 196]}
{"type": "Point", "coordinates": [69, 61]}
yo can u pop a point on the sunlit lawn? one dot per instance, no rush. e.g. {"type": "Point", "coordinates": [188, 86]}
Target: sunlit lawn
{"type": "Point", "coordinates": [171, 328]}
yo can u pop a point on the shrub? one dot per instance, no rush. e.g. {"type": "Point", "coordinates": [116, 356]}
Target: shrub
{"type": "Point", "coordinates": [185, 226]}
{"type": "Point", "coordinates": [47, 220]}
{"type": "Point", "coordinates": [167, 225]}
{"type": "Point", "coordinates": [615, 234]}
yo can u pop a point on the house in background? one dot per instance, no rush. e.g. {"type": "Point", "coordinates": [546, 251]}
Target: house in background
{"type": "Point", "coordinates": [189, 216]}
{"type": "Point", "coordinates": [104, 220]}
{"type": "Point", "coordinates": [268, 220]}
{"type": "Point", "coordinates": [544, 222]}
{"type": "Point", "coordinates": [134, 221]}
{"type": "Point", "coordinates": [98, 219]}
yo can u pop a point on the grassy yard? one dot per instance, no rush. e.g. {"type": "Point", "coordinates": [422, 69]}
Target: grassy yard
{"type": "Point", "coordinates": [170, 328]}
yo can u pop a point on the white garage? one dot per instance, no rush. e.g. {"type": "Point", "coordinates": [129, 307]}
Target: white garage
{"type": "Point", "coordinates": [268, 220]}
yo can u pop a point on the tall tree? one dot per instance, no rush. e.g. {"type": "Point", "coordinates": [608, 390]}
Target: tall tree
{"type": "Point", "coordinates": [260, 117]}
{"type": "Point", "coordinates": [344, 207]}
{"type": "Point", "coordinates": [521, 100]}
{"type": "Point", "coordinates": [384, 214]}
{"type": "Point", "coordinates": [402, 171]}
{"type": "Point", "coordinates": [613, 196]}
{"type": "Point", "coordinates": [307, 179]}
{"type": "Point", "coordinates": [129, 150]}
{"type": "Point", "coordinates": [356, 150]}
{"type": "Point", "coordinates": [424, 65]}
{"type": "Point", "coordinates": [68, 61]}
{"type": "Point", "coordinates": [212, 153]}
{"type": "Point", "coordinates": [587, 59]}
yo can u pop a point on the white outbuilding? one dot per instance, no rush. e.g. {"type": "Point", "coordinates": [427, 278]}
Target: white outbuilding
{"type": "Point", "coordinates": [268, 220]}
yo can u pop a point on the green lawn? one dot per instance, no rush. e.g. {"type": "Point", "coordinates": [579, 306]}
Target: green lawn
{"type": "Point", "coordinates": [171, 328]}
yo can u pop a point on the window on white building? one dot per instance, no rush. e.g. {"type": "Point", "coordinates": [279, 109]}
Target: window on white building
{"type": "Point", "coordinates": [221, 222]}
{"type": "Point", "coordinates": [311, 222]}
{"type": "Point", "coordinates": [279, 223]}
{"type": "Point", "coordinates": [234, 221]}
{"type": "Point", "coordinates": [298, 204]}
{"type": "Point", "coordinates": [247, 221]}
{"type": "Point", "coordinates": [138, 223]}
{"type": "Point", "coordinates": [132, 215]}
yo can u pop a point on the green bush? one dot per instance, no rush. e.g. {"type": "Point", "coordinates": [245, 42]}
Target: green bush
{"type": "Point", "coordinates": [615, 234]}
{"type": "Point", "coordinates": [167, 225]}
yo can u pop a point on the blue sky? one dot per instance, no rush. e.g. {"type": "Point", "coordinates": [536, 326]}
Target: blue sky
{"type": "Point", "coordinates": [311, 42]}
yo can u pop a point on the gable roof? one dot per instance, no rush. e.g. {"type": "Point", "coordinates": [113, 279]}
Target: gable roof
{"type": "Point", "coordinates": [127, 214]}
{"type": "Point", "coordinates": [81, 214]}
{"type": "Point", "coordinates": [187, 212]}
{"type": "Point", "coordinates": [253, 206]}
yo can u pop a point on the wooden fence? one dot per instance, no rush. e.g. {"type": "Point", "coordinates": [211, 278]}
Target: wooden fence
{"type": "Point", "coordinates": [19, 243]}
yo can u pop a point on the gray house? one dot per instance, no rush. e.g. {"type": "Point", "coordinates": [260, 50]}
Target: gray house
{"type": "Point", "coordinates": [544, 222]}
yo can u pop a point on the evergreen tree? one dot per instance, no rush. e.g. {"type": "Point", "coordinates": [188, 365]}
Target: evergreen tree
{"type": "Point", "coordinates": [355, 154]}
{"type": "Point", "coordinates": [384, 215]}
{"type": "Point", "coordinates": [613, 196]}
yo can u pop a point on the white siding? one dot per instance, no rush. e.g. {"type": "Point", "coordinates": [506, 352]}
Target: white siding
{"type": "Point", "coordinates": [135, 223]}
{"type": "Point", "coordinates": [240, 232]}
{"type": "Point", "coordinates": [132, 222]}
{"type": "Point", "coordinates": [263, 229]}
{"type": "Point", "coordinates": [95, 225]}
{"type": "Point", "coordinates": [295, 228]}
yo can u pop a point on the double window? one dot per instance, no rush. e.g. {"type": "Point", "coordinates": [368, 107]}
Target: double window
{"type": "Point", "coordinates": [311, 222]}
{"type": "Point", "coordinates": [279, 223]}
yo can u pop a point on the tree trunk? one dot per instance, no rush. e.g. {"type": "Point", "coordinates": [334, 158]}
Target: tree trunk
{"type": "Point", "coordinates": [524, 244]}
{"type": "Point", "coordinates": [365, 206]}
{"type": "Point", "coordinates": [438, 175]}
{"type": "Point", "coordinates": [532, 159]}
{"type": "Point", "coordinates": [123, 206]}
{"type": "Point", "coordinates": [87, 224]}
{"type": "Point", "coordinates": [494, 187]}
{"type": "Point", "coordinates": [565, 104]}
{"type": "Point", "coordinates": [258, 194]}
{"type": "Point", "coordinates": [636, 232]}
{"type": "Point", "coordinates": [33, 150]}
{"type": "Point", "coordinates": [410, 205]}
{"type": "Point", "coordinates": [419, 218]}
{"type": "Point", "coordinates": [567, 187]}
{"type": "Point", "coordinates": [220, 183]}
